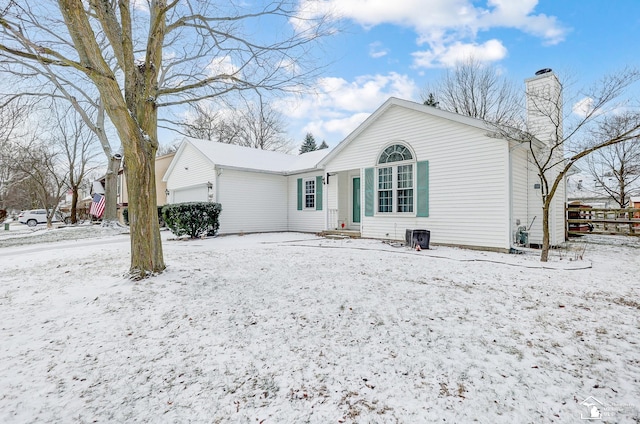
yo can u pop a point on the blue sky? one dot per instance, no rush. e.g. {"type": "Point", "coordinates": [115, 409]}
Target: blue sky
{"type": "Point", "coordinates": [395, 48]}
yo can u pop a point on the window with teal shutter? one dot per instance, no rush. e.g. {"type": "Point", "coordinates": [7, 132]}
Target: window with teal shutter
{"type": "Point", "coordinates": [299, 194]}
{"type": "Point", "coordinates": [318, 193]}
{"type": "Point", "coordinates": [368, 192]}
{"type": "Point", "coordinates": [422, 192]}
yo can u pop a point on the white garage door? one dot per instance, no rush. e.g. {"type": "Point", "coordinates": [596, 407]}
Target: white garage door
{"type": "Point", "coordinates": [191, 194]}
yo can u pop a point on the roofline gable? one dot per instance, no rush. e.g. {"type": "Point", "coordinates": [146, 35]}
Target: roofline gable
{"type": "Point", "coordinates": [174, 161]}
{"type": "Point", "coordinates": [394, 101]}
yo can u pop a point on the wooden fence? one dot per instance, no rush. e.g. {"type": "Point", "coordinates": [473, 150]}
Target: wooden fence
{"type": "Point", "coordinates": [586, 220]}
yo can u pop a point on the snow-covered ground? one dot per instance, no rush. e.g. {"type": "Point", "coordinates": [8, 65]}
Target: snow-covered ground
{"type": "Point", "coordinates": [291, 328]}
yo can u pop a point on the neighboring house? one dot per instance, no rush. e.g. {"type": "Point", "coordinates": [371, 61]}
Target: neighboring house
{"type": "Point", "coordinates": [585, 189]}
{"type": "Point", "coordinates": [408, 166]}
{"type": "Point", "coordinates": [162, 163]}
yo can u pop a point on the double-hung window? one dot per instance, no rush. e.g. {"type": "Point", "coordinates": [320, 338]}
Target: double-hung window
{"type": "Point", "coordinates": [395, 180]}
{"type": "Point", "coordinates": [310, 193]}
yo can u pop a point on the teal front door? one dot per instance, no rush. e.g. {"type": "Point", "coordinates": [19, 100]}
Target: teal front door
{"type": "Point", "coordinates": [356, 200]}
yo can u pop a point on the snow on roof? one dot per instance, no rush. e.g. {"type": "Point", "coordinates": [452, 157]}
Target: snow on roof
{"type": "Point", "coordinates": [241, 157]}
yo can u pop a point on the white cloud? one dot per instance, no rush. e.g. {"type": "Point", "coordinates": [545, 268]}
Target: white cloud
{"type": "Point", "coordinates": [448, 56]}
{"type": "Point", "coordinates": [583, 107]}
{"type": "Point", "coordinates": [377, 50]}
{"type": "Point", "coordinates": [342, 126]}
{"type": "Point", "coordinates": [447, 27]}
{"type": "Point", "coordinates": [340, 105]}
{"type": "Point", "coordinates": [222, 66]}
{"type": "Point", "coordinates": [141, 5]}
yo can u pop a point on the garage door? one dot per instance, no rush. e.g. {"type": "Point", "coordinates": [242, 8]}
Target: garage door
{"type": "Point", "coordinates": [190, 194]}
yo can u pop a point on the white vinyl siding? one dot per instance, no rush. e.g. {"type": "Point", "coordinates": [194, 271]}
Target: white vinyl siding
{"type": "Point", "coordinates": [520, 183]}
{"type": "Point", "coordinates": [252, 202]}
{"type": "Point", "coordinates": [197, 193]}
{"type": "Point", "coordinates": [190, 170]}
{"type": "Point", "coordinates": [468, 178]}
{"type": "Point", "coordinates": [308, 220]}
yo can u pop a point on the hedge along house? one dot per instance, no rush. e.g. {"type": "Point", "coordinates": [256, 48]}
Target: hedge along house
{"type": "Point", "coordinates": [259, 190]}
{"type": "Point", "coordinates": [408, 166]}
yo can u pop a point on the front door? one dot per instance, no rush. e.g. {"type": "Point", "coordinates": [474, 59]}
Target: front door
{"type": "Point", "coordinates": [356, 200]}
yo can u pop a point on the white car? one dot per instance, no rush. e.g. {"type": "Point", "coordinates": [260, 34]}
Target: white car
{"type": "Point", "coordinates": [35, 217]}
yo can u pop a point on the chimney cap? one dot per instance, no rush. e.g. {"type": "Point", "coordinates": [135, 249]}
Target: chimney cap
{"type": "Point", "coordinates": [543, 71]}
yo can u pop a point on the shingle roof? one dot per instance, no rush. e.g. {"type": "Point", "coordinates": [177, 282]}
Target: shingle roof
{"type": "Point", "coordinates": [229, 155]}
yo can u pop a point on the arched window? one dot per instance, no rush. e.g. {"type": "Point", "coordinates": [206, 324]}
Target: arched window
{"type": "Point", "coordinates": [395, 153]}
{"type": "Point", "coordinates": [395, 173]}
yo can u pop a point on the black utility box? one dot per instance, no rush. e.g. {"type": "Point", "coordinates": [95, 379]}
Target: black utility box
{"type": "Point", "coordinates": [415, 237]}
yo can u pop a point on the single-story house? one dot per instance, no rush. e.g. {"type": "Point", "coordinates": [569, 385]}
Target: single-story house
{"type": "Point", "coordinates": [407, 166]}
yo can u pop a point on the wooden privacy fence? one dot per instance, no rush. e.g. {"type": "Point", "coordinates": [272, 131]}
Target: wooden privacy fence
{"type": "Point", "coordinates": [587, 220]}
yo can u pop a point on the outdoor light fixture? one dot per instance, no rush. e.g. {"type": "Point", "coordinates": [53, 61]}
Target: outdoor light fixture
{"type": "Point", "coordinates": [166, 192]}
{"type": "Point", "coordinates": [209, 185]}
{"type": "Point", "coordinates": [329, 174]}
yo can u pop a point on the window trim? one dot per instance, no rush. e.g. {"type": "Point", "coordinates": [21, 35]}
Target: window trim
{"type": "Point", "coordinates": [304, 194]}
{"type": "Point", "coordinates": [395, 166]}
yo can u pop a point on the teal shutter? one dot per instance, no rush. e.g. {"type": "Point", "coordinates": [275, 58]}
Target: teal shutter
{"type": "Point", "coordinates": [422, 192]}
{"type": "Point", "coordinates": [299, 194]}
{"type": "Point", "coordinates": [368, 192]}
{"type": "Point", "coordinates": [318, 193]}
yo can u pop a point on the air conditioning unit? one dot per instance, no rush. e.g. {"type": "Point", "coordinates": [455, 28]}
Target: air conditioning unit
{"type": "Point", "coordinates": [418, 237]}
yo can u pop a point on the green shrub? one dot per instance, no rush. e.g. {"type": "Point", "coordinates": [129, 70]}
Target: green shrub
{"type": "Point", "coordinates": [194, 219]}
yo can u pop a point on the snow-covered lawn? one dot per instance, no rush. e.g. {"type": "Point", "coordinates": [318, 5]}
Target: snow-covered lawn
{"type": "Point", "coordinates": [291, 328]}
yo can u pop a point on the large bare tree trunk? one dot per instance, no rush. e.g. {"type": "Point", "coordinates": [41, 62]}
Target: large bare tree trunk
{"type": "Point", "coordinates": [135, 117]}
{"type": "Point", "coordinates": [146, 245]}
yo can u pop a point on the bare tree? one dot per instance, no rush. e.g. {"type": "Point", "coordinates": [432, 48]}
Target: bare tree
{"type": "Point", "coordinates": [168, 53]}
{"type": "Point", "coordinates": [76, 142]}
{"type": "Point", "coordinates": [475, 89]}
{"type": "Point", "coordinates": [206, 123]}
{"type": "Point", "coordinates": [263, 128]}
{"type": "Point", "coordinates": [13, 112]}
{"type": "Point", "coordinates": [39, 165]}
{"type": "Point", "coordinates": [255, 124]}
{"type": "Point", "coordinates": [616, 168]}
{"type": "Point", "coordinates": [45, 80]}
{"type": "Point", "coordinates": [557, 140]}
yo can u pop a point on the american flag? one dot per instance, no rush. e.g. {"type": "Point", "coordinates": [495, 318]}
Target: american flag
{"type": "Point", "coordinates": [97, 205]}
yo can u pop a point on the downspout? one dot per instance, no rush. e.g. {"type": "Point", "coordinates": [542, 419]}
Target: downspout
{"type": "Point", "coordinates": [511, 232]}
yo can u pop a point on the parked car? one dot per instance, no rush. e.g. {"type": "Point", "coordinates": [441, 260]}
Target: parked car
{"type": "Point", "coordinates": [36, 216]}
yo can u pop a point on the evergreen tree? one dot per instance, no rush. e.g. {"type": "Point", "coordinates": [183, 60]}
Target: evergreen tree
{"type": "Point", "coordinates": [323, 145]}
{"type": "Point", "coordinates": [431, 101]}
{"type": "Point", "coordinates": [309, 144]}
